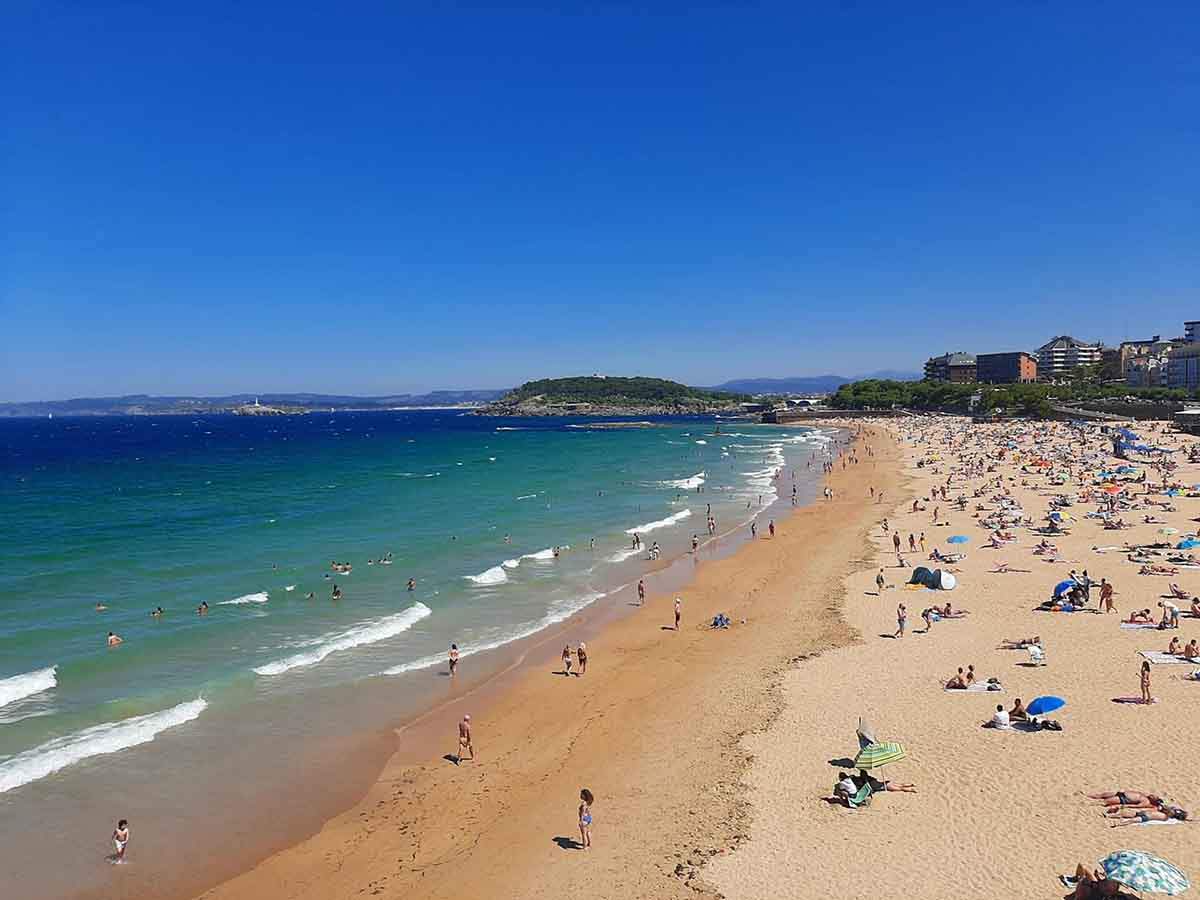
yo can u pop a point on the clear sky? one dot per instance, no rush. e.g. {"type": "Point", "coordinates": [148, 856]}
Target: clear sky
{"type": "Point", "coordinates": [212, 197]}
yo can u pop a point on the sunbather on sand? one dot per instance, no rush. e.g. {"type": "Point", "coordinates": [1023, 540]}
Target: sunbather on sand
{"type": "Point", "coordinates": [1091, 884]}
{"type": "Point", "coordinates": [1141, 816]}
{"type": "Point", "coordinates": [1178, 593]}
{"type": "Point", "coordinates": [1142, 617]}
{"type": "Point", "coordinates": [864, 777]}
{"type": "Point", "coordinates": [1192, 650]}
{"type": "Point", "coordinates": [1021, 643]}
{"type": "Point", "coordinates": [957, 682]}
{"type": "Point", "coordinates": [1174, 647]}
{"type": "Point", "coordinates": [1131, 799]}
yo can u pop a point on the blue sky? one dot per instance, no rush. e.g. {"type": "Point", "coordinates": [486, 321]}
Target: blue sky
{"type": "Point", "coordinates": [385, 197]}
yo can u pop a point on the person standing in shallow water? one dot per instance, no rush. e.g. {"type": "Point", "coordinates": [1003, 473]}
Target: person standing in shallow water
{"type": "Point", "coordinates": [453, 659]}
{"type": "Point", "coordinates": [120, 839]}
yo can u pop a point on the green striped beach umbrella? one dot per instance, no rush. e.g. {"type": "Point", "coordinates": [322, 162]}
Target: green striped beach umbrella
{"type": "Point", "coordinates": [1145, 873]}
{"type": "Point", "coordinates": [879, 754]}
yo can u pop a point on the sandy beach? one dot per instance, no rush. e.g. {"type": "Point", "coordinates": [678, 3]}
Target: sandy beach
{"type": "Point", "coordinates": [654, 730]}
{"type": "Point", "coordinates": [998, 813]}
{"type": "Point", "coordinates": [711, 753]}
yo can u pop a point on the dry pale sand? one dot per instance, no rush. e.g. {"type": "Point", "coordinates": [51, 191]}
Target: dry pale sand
{"type": "Point", "coordinates": [998, 814]}
{"type": "Point", "coordinates": [654, 729]}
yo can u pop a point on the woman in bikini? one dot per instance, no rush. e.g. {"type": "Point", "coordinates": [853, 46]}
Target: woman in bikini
{"type": "Point", "coordinates": [566, 659]}
{"type": "Point", "coordinates": [585, 818]}
{"type": "Point", "coordinates": [1131, 799]}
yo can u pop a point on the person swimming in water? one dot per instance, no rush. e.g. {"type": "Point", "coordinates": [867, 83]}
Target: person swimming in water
{"type": "Point", "coordinates": [113, 640]}
{"type": "Point", "coordinates": [412, 584]}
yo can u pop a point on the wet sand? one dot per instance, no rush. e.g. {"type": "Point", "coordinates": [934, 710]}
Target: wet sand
{"type": "Point", "coordinates": [653, 730]}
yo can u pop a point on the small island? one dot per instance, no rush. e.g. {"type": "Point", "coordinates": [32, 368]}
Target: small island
{"type": "Point", "coordinates": [600, 395]}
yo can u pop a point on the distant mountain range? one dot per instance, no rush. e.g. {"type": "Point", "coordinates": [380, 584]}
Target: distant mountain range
{"type": "Point", "coordinates": [147, 405]}
{"type": "Point", "coordinates": [808, 384]}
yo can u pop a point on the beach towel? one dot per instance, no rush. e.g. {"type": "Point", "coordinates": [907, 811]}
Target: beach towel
{"type": "Point", "coordinates": [862, 798]}
{"type": "Point", "coordinates": [1159, 658]}
{"type": "Point", "coordinates": [979, 687]}
{"type": "Point", "coordinates": [1135, 700]}
{"type": "Point", "coordinates": [1129, 626]}
{"type": "Point", "coordinates": [1168, 822]}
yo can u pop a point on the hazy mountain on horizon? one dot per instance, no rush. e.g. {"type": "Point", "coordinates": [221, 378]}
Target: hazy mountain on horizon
{"type": "Point", "coordinates": [148, 404]}
{"type": "Point", "coordinates": [808, 384]}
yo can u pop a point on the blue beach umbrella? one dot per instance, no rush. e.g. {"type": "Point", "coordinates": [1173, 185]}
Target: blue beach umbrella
{"type": "Point", "coordinates": [957, 539]}
{"type": "Point", "coordinates": [1187, 544]}
{"type": "Point", "coordinates": [1063, 586]}
{"type": "Point", "coordinates": [1144, 873]}
{"type": "Point", "coordinates": [1042, 705]}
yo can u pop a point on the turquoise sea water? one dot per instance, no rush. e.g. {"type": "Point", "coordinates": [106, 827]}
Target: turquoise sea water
{"type": "Point", "coordinates": [246, 514]}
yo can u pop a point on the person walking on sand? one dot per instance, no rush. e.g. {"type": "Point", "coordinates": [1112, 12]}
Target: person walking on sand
{"type": "Point", "coordinates": [1146, 698]}
{"type": "Point", "coordinates": [921, 541]}
{"type": "Point", "coordinates": [585, 818]}
{"type": "Point", "coordinates": [880, 581]}
{"type": "Point", "coordinates": [901, 620]}
{"type": "Point", "coordinates": [582, 654]}
{"type": "Point", "coordinates": [641, 591]}
{"type": "Point", "coordinates": [453, 659]}
{"type": "Point", "coordinates": [464, 738]}
{"type": "Point", "coordinates": [120, 839]}
{"type": "Point", "coordinates": [753, 530]}
{"type": "Point", "coordinates": [896, 540]}
{"type": "Point", "coordinates": [678, 611]}
{"type": "Point", "coordinates": [566, 659]}
{"type": "Point", "coordinates": [912, 543]}
{"type": "Point", "coordinates": [1106, 597]}
{"type": "Point", "coordinates": [771, 527]}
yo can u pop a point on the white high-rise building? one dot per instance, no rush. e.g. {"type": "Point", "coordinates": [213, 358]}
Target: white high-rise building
{"type": "Point", "coordinates": [1061, 355]}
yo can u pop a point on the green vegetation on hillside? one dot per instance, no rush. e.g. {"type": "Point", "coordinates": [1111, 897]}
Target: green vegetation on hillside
{"type": "Point", "coordinates": [616, 392]}
{"type": "Point", "coordinates": [1024, 399]}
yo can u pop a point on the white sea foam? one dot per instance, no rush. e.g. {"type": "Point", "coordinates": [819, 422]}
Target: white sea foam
{"type": "Point", "coordinates": [290, 587]}
{"type": "Point", "coordinates": [527, 496]}
{"type": "Point", "coordinates": [110, 737]}
{"type": "Point", "coordinates": [686, 484]}
{"type": "Point", "coordinates": [494, 575]}
{"type": "Point", "coordinates": [18, 687]}
{"type": "Point", "coordinates": [661, 523]}
{"type": "Point", "coordinates": [701, 442]}
{"type": "Point", "coordinates": [365, 633]}
{"type": "Point", "coordinates": [622, 555]}
{"type": "Point", "coordinates": [557, 612]}
{"type": "Point", "coordinates": [260, 597]}
{"type": "Point", "coordinates": [511, 563]}
{"type": "Point", "coordinates": [542, 555]}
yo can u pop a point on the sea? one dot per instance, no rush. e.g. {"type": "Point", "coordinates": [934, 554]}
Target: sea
{"type": "Point", "coordinates": [338, 556]}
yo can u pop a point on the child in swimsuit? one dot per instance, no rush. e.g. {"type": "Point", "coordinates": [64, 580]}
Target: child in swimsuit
{"type": "Point", "coordinates": [120, 839]}
{"type": "Point", "coordinates": [585, 818]}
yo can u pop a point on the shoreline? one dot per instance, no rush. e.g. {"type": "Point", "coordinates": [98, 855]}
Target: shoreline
{"type": "Point", "coordinates": [521, 709]}
{"type": "Point", "coordinates": [368, 750]}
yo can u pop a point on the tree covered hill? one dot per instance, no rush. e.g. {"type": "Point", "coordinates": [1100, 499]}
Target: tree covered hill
{"type": "Point", "coordinates": [611, 395]}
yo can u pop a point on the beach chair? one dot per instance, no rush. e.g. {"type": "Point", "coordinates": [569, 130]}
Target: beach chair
{"type": "Point", "coordinates": [1037, 656]}
{"type": "Point", "coordinates": [862, 798]}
